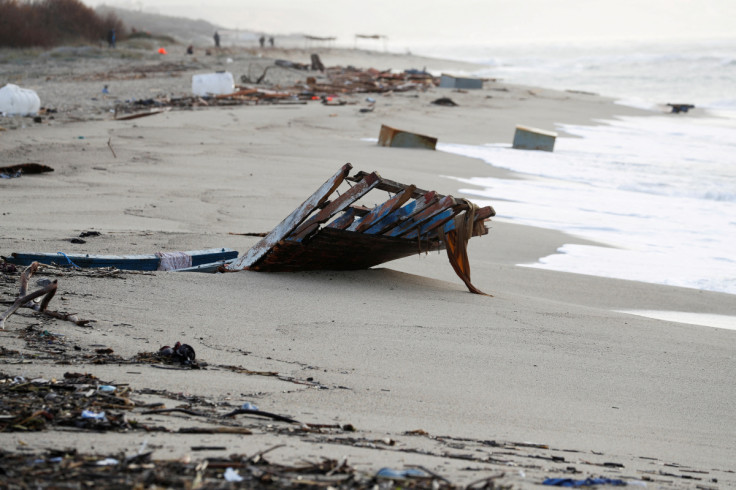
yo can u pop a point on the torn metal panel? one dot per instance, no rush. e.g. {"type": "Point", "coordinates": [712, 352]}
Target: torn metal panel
{"type": "Point", "coordinates": [398, 138]}
{"type": "Point", "coordinates": [343, 235]}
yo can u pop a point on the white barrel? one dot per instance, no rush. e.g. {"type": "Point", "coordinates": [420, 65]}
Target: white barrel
{"type": "Point", "coordinates": [213, 83]}
{"type": "Point", "coordinates": [17, 101]}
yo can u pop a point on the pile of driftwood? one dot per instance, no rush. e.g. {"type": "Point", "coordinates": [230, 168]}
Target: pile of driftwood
{"type": "Point", "coordinates": [242, 96]}
{"type": "Point", "coordinates": [350, 80]}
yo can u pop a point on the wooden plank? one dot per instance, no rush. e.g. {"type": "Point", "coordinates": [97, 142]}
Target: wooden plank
{"type": "Point", "coordinates": [290, 223]}
{"type": "Point", "coordinates": [437, 221]}
{"type": "Point", "coordinates": [332, 249]}
{"type": "Point", "coordinates": [345, 220]}
{"type": "Point", "coordinates": [388, 185]}
{"type": "Point", "coordinates": [481, 214]}
{"type": "Point", "coordinates": [383, 210]}
{"type": "Point", "coordinates": [419, 218]}
{"type": "Point", "coordinates": [346, 199]}
{"type": "Point", "coordinates": [400, 214]}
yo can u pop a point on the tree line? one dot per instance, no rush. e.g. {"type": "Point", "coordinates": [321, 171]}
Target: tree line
{"type": "Point", "coordinates": [48, 23]}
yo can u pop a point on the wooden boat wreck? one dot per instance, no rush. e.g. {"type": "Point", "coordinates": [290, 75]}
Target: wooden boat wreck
{"type": "Point", "coordinates": [341, 234]}
{"type": "Point", "coordinates": [142, 262]}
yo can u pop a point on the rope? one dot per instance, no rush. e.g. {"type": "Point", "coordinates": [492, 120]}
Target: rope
{"type": "Point", "coordinates": [68, 260]}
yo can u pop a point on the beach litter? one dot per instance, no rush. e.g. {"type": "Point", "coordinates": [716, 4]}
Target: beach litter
{"type": "Point", "coordinates": [451, 81]}
{"type": "Point", "coordinates": [340, 234]}
{"type": "Point", "coordinates": [678, 108]}
{"type": "Point", "coordinates": [398, 138]}
{"type": "Point", "coordinates": [28, 300]}
{"type": "Point", "coordinates": [528, 138]}
{"type": "Point", "coordinates": [183, 353]}
{"type": "Point", "coordinates": [445, 101]}
{"type": "Point", "coordinates": [159, 261]}
{"type": "Point", "coordinates": [15, 171]}
{"type": "Point", "coordinates": [18, 101]}
{"type": "Point", "coordinates": [393, 474]}
{"type": "Point", "coordinates": [587, 482]}
{"type": "Point", "coordinates": [218, 83]}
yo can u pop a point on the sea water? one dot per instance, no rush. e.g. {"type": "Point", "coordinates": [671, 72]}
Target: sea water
{"type": "Point", "coordinates": [657, 193]}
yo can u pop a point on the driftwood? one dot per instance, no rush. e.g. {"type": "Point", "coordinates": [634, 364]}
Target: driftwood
{"type": "Point", "coordinates": [109, 145]}
{"type": "Point", "coordinates": [22, 300]}
{"type": "Point", "coordinates": [47, 292]}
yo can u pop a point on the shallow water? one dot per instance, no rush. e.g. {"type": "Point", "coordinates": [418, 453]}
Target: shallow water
{"type": "Point", "coordinates": [659, 191]}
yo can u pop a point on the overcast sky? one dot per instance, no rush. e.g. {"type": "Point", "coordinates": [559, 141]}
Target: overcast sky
{"type": "Point", "coordinates": [482, 21]}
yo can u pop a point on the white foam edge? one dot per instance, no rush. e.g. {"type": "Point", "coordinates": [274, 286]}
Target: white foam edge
{"type": "Point", "coordinates": [727, 322]}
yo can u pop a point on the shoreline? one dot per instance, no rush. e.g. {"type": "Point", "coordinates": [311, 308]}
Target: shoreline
{"type": "Point", "coordinates": [393, 350]}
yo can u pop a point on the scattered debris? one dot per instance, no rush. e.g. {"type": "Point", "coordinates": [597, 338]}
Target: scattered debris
{"type": "Point", "coordinates": [445, 101]}
{"type": "Point", "coordinates": [218, 83]}
{"type": "Point", "coordinates": [588, 482]}
{"type": "Point", "coordinates": [678, 108]}
{"type": "Point", "coordinates": [149, 262]}
{"type": "Point", "coordinates": [526, 138]}
{"type": "Point", "coordinates": [317, 63]}
{"type": "Point", "coordinates": [14, 171]}
{"type": "Point", "coordinates": [580, 92]}
{"type": "Point", "coordinates": [183, 353]}
{"type": "Point", "coordinates": [398, 138]}
{"type": "Point", "coordinates": [392, 474]}
{"type": "Point", "coordinates": [27, 299]}
{"type": "Point", "coordinates": [18, 101]}
{"type": "Point", "coordinates": [341, 235]}
{"type": "Point", "coordinates": [136, 115]}
{"type": "Point", "coordinates": [450, 81]}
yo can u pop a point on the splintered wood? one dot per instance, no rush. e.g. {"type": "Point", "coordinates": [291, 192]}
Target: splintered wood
{"type": "Point", "coordinates": [340, 234]}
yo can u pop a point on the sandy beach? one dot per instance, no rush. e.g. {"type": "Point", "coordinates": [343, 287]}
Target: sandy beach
{"type": "Point", "coordinates": [545, 379]}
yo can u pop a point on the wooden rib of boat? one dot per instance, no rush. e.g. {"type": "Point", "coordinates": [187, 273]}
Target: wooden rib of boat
{"type": "Point", "coordinates": [342, 234]}
{"type": "Point", "coordinates": [143, 262]}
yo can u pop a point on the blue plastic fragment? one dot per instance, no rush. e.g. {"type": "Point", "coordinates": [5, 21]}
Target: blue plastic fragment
{"type": "Point", "coordinates": [408, 473]}
{"type": "Point", "coordinates": [88, 414]}
{"type": "Point", "coordinates": [588, 482]}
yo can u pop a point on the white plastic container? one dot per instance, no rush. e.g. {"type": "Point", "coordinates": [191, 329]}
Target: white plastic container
{"type": "Point", "coordinates": [17, 101]}
{"type": "Point", "coordinates": [213, 83]}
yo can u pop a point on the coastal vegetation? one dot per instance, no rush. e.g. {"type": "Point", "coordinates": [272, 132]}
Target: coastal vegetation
{"type": "Point", "coordinates": [49, 23]}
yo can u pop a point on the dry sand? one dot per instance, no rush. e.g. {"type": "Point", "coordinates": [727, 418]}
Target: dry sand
{"type": "Point", "coordinates": [402, 347]}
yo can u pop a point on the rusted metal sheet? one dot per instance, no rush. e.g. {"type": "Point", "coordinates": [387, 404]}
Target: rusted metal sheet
{"type": "Point", "coordinates": [343, 234]}
{"type": "Point", "coordinates": [389, 136]}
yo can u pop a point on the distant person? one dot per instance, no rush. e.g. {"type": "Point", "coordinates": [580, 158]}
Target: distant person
{"type": "Point", "coordinates": [216, 37]}
{"type": "Point", "coordinates": [271, 41]}
{"type": "Point", "coordinates": [190, 49]}
{"type": "Point", "coordinates": [111, 38]}
{"type": "Point", "coordinates": [262, 40]}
